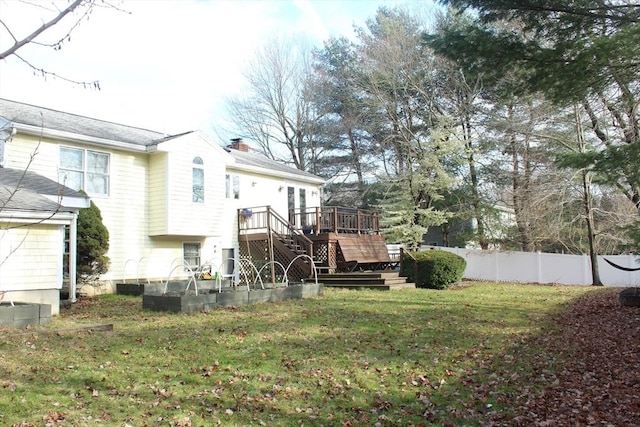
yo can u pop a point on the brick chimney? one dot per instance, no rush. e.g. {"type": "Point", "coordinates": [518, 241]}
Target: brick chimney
{"type": "Point", "coordinates": [237, 144]}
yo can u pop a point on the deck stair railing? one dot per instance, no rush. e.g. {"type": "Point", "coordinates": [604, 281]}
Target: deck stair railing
{"type": "Point", "coordinates": [266, 220]}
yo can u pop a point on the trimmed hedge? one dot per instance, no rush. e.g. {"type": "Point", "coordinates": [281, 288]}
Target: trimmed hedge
{"type": "Point", "coordinates": [435, 270]}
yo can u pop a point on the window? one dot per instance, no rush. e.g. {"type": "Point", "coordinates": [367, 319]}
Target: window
{"type": "Point", "coordinates": [303, 206]}
{"type": "Point", "coordinates": [84, 170]}
{"type": "Point", "coordinates": [232, 186]}
{"type": "Point", "coordinates": [198, 180]}
{"type": "Point", "coordinates": [191, 254]}
{"type": "Point", "coordinates": [291, 204]}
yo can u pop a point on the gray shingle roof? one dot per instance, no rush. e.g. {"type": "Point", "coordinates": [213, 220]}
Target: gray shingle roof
{"type": "Point", "coordinates": [31, 115]}
{"type": "Point", "coordinates": [248, 158]}
{"type": "Point", "coordinates": [66, 122]}
{"type": "Point", "coordinates": [24, 200]}
{"type": "Point", "coordinates": [24, 190]}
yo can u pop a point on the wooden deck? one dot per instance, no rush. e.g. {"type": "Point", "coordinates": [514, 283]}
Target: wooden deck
{"type": "Point", "coordinates": [337, 239]}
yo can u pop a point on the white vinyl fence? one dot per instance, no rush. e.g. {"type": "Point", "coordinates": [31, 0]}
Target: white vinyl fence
{"type": "Point", "coordinates": [536, 267]}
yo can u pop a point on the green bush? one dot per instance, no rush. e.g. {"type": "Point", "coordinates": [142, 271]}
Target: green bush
{"type": "Point", "coordinates": [435, 269]}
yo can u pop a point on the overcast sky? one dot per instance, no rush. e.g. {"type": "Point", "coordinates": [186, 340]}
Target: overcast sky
{"type": "Point", "coordinates": [164, 65]}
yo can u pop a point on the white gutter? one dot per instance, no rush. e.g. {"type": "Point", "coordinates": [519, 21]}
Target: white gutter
{"type": "Point", "coordinates": [36, 217]}
{"type": "Point", "coordinates": [280, 174]}
{"type": "Point", "coordinates": [74, 137]}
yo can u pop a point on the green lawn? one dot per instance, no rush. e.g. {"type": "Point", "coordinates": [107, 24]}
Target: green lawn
{"type": "Point", "coordinates": [351, 358]}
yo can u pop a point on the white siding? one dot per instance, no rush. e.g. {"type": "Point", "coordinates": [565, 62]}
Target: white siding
{"type": "Point", "coordinates": [124, 211]}
{"type": "Point", "coordinates": [264, 190]}
{"type": "Point", "coordinates": [30, 257]}
{"type": "Point", "coordinates": [182, 216]}
{"type": "Point", "coordinates": [158, 201]}
{"type": "Point", "coordinates": [39, 155]}
{"type": "Point", "coordinates": [149, 211]}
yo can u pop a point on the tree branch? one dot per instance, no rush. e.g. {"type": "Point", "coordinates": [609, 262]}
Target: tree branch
{"type": "Point", "coordinates": [20, 43]}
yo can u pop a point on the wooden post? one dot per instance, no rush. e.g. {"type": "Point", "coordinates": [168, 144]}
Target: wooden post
{"type": "Point", "coordinates": [317, 220]}
{"type": "Point", "coordinates": [270, 241]}
{"type": "Point", "coordinates": [335, 219]}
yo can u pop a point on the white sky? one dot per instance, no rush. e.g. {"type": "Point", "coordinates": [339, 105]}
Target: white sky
{"type": "Point", "coordinates": [164, 65]}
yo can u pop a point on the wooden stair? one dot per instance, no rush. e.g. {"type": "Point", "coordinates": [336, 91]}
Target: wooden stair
{"type": "Point", "coordinates": [380, 280]}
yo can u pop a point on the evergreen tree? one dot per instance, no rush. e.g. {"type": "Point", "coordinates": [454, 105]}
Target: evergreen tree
{"type": "Point", "coordinates": [573, 51]}
{"type": "Point", "coordinates": [93, 244]}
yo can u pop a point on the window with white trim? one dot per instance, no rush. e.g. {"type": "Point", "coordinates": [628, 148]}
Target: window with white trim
{"type": "Point", "coordinates": [191, 254]}
{"type": "Point", "coordinates": [232, 186]}
{"type": "Point", "coordinates": [198, 180]}
{"type": "Point", "coordinates": [86, 170]}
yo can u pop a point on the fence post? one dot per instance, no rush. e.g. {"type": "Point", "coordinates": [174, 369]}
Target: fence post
{"type": "Point", "coordinates": [539, 266]}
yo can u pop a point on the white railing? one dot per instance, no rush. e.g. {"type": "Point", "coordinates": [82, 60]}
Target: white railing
{"type": "Point", "coordinates": [537, 267]}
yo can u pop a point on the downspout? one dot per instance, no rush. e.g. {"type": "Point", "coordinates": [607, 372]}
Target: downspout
{"type": "Point", "coordinates": [73, 254]}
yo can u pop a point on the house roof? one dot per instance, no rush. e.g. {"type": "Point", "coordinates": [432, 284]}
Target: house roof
{"type": "Point", "coordinates": [256, 160]}
{"type": "Point", "coordinates": [25, 200]}
{"type": "Point", "coordinates": [46, 118]}
{"type": "Point", "coordinates": [26, 190]}
{"type": "Point", "coordinates": [108, 133]}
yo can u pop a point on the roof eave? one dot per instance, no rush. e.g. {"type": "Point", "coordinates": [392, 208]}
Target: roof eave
{"type": "Point", "coordinates": [74, 137]}
{"type": "Point", "coordinates": [36, 217]}
{"type": "Point", "coordinates": [280, 174]}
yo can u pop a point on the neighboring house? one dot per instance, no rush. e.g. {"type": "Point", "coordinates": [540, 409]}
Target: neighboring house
{"type": "Point", "coordinates": [165, 199]}
{"type": "Point", "coordinates": [459, 232]}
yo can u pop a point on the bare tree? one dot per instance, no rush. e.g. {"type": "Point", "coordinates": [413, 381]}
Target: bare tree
{"type": "Point", "coordinates": [72, 15]}
{"type": "Point", "coordinates": [276, 110]}
{"type": "Point", "coordinates": [57, 17]}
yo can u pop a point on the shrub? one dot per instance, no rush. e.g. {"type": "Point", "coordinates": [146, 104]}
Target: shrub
{"type": "Point", "coordinates": [93, 244]}
{"type": "Point", "coordinates": [435, 269]}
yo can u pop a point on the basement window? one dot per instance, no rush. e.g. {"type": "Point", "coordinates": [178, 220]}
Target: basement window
{"type": "Point", "coordinates": [191, 254]}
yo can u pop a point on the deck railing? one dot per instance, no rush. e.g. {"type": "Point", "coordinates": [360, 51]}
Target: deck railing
{"type": "Point", "coordinates": [335, 220]}
{"type": "Point", "coordinates": [264, 219]}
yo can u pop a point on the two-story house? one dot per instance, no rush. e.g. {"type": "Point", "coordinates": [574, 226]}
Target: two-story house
{"type": "Point", "coordinates": [167, 200]}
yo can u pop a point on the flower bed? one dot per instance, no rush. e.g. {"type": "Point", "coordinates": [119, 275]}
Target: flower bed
{"type": "Point", "coordinates": [129, 289]}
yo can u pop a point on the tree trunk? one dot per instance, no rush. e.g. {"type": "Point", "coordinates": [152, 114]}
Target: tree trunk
{"type": "Point", "coordinates": [475, 194]}
{"type": "Point", "coordinates": [586, 197]}
{"type": "Point", "coordinates": [593, 255]}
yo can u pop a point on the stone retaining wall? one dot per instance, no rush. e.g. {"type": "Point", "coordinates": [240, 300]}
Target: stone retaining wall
{"type": "Point", "coordinates": [23, 314]}
{"type": "Point", "coordinates": [208, 299]}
